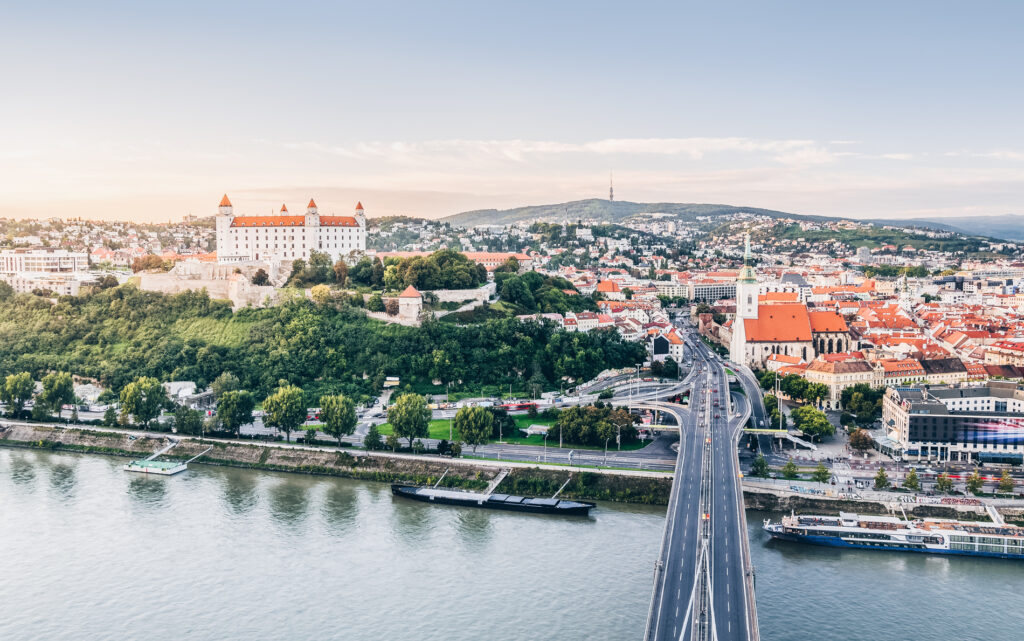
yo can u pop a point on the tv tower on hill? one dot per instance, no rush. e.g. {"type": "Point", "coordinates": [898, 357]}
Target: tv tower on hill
{"type": "Point", "coordinates": [611, 188]}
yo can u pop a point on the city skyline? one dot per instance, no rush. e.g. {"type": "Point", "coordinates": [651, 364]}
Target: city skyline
{"type": "Point", "coordinates": [867, 111]}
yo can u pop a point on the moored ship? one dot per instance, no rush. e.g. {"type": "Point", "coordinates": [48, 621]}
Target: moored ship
{"type": "Point", "coordinates": [493, 501]}
{"type": "Point", "coordinates": [930, 536]}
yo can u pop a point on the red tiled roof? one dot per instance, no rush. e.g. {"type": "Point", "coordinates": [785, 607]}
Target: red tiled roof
{"type": "Point", "coordinates": [224, 202]}
{"type": "Point", "coordinates": [827, 322]}
{"type": "Point", "coordinates": [781, 323]}
{"type": "Point", "coordinates": [410, 292]}
{"type": "Point", "coordinates": [268, 221]}
{"type": "Point", "coordinates": [338, 221]}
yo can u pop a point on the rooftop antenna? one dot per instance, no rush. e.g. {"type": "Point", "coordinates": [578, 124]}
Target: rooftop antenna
{"type": "Point", "coordinates": [611, 188]}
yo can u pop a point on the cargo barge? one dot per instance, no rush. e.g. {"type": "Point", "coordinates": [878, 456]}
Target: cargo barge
{"type": "Point", "coordinates": [928, 536]}
{"type": "Point", "coordinates": [492, 501]}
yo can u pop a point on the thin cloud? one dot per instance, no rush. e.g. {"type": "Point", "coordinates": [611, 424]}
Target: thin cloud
{"type": "Point", "coordinates": [517, 150]}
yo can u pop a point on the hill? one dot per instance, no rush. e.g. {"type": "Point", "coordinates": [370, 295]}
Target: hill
{"type": "Point", "coordinates": [606, 211]}
{"type": "Point", "coordinates": [1009, 227]}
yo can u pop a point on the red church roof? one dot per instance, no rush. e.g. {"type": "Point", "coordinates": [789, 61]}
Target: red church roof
{"type": "Point", "coordinates": [779, 323]}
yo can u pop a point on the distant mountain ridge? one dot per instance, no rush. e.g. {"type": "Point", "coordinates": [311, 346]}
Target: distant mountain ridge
{"type": "Point", "coordinates": [1007, 226]}
{"type": "Point", "coordinates": [1010, 226]}
{"type": "Point", "coordinates": [606, 211]}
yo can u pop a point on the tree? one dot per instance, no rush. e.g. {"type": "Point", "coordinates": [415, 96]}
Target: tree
{"type": "Point", "coordinates": [285, 409]}
{"type": "Point", "coordinates": [767, 379]}
{"type": "Point", "coordinates": [812, 422]}
{"type": "Point", "coordinates": [393, 442]}
{"type": "Point", "coordinates": [975, 483]}
{"type": "Point", "coordinates": [110, 417]}
{"type": "Point", "coordinates": [372, 440]}
{"type": "Point", "coordinates": [260, 277]}
{"type": "Point", "coordinates": [142, 399]}
{"type": "Point", "coordinates": [815, 392]}
{"type": "Point", "coordinates": [16, 391]}
{"type": "Point", "coordinates": [789, 470]}
{"type": "Point", "coordinates": [188, 421]}
{"type": "Point", "coordinates": [606, 431]}
{"type": "Point", "coordinates": [375, 303]}
{"type": "Point", "coordinates": [671, 369]}
{"type": "Point", "coordinates": [474, 425]}
{"type": "Point", "coordinates": [410, 417]}
{"type": "Point", "coordinates": [392, 279]}
{"type": "Point", "coordinates": [456, 449]}
{"type": "Point", "coordinates": [225, 382]}
{"type": "Point", "coordinates": [1006, 483]}
{"type": "Point", "coordinates": [943, 483]}
{"type": "Point", "coordinates": [881, 479]}
{"type": "Point", "coordinates": [234, 409]}
{"type": "Point", "coordinates": [341, 272]}
{"type": "Point", "coordinates": [338, 414]}
{"type": "Point", "coordinates": [794, 386]}
{"type": "Point", "coordinates": [912, 482]}
{"type": "Point", "coordinates": [391, 306]}
{"type": "Point", "coordinates": [760, 467]}
{"type": "Point", "coordinates": [58, 391]}
{"type": "Point", "coordinates": [821, 473]}
{"type": "Point", "coordinates": [861, 440]}
{"type": "Point", "coordinates": [320, 294]}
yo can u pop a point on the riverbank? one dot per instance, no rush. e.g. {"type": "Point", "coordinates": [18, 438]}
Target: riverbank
{"type": "Point", "coordinates": [756, 499]}
{"type": "Point", "coordinates": [643, 488]}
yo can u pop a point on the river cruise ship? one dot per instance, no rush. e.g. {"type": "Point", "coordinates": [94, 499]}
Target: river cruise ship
{"type": "Point", "coordinates": [931, 536]}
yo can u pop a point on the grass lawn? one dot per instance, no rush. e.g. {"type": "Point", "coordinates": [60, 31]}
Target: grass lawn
{"type": "Point", "coordinates": [438, 429]}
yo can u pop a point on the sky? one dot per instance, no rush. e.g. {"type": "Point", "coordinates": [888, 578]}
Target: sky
{"type": "Point", "coordinates": [147, 111]}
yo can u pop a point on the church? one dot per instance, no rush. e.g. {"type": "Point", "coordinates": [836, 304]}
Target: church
{"type": "Point", "coordinates": [287, 237]}
{"type": "Point", "coordinates": [788, 328]}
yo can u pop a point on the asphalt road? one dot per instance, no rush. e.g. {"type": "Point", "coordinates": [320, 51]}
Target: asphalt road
{"type": "Point", "coordinates": [678, 600]}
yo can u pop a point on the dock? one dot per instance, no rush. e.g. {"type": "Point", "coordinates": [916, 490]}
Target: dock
{"type": "Point", "coordinates": [150, 465]}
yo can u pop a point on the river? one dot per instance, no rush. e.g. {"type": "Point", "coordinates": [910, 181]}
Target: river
{"type": "Point", "coordinates": [89, 552]}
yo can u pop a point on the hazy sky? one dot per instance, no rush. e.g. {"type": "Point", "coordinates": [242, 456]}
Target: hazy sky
{"type": "Point", "coordinates": [152, 111]}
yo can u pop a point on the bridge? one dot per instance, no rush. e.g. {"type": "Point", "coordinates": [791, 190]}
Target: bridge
{"type": "Point", "coordinates": [704, 581]}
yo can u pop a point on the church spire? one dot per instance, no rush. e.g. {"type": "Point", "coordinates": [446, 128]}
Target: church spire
{"type": "Point", "coordinates": [747, 273]}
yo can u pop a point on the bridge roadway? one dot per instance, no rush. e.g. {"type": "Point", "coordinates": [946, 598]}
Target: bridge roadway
{"type": "Point", "coordinates": [704, 580]}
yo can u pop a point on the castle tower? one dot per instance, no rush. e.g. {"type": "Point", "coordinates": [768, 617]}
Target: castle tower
{"type": "Point", "coordinates": [312, 215]}
{"type": "Point", "coordinates": [746, 307]}
{"type": "Point", "coordinates": [225, 214]}
{"type": "Point", "coordinates": [361, 219]}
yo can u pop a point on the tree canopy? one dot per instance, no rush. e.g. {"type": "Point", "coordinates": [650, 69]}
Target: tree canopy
{"type": "Point", "coordinates": [120, 334]}
{"type": "Point", "coordinates": [410, 417]}
{"type": "Point", "coordinates": [474, 424]}
{"type": "Point", "coordinates": [338, 414]}
{"type": "Point", "coordinates": [143, 399]}
{"type": "Point", "coordinates": [285, 409]}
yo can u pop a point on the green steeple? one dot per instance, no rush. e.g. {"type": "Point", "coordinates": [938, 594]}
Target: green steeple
{"type": "Point", "coordinates": [747, 274]}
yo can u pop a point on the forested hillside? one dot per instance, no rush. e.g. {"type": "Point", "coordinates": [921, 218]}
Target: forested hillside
{"type": "Point", "coordinates": [119, 334]}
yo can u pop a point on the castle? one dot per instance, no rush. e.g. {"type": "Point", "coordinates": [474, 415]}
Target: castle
{"type": "Point", "coordinates": [286, 237]}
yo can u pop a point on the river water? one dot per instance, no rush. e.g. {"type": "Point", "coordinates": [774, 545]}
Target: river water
{"type": "Point", "coordinates": [89, 552]}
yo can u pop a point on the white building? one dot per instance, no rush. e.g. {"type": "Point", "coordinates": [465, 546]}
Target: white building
{"type": "Point", "coordinates": [43, 260]}
{"type": "Point", "coordinates": [57, 270]}
{"type": "Point", "coordinates": [287, 237]}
